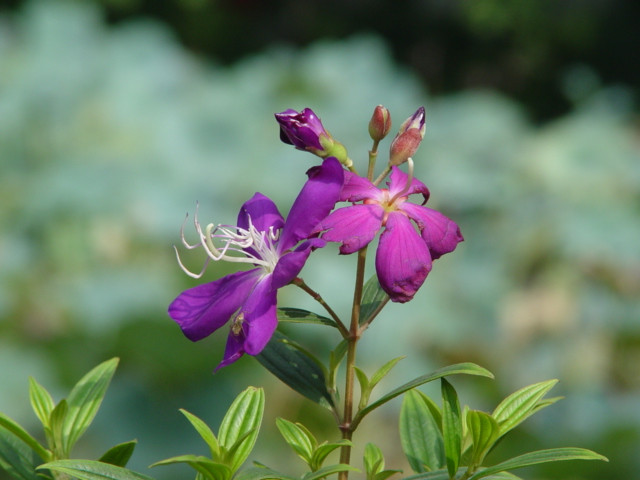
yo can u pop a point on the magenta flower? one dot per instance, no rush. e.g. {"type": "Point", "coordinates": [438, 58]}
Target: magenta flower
{"type": "Point", "coordinates": [404, 255]}
{"type": "Point", "coordinates": [302, 130]}
{"type": "Point", "coordinates": [268, 242]}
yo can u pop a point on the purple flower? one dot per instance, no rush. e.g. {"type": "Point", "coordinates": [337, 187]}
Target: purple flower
{"type": "Point", "coordinates": [404, 256]}
{"type": "Point", "coordinates": [302, 130]}
{"type": "Point", "coordinates": [268, 242]}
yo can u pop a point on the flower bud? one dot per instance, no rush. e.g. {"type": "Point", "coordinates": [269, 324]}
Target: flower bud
{"type": "Point", "coordinates": [380, 123]}
{"type": "Point", "coordinates": [404, 146]}
{"type": "Point", "coordinates": [414, 121]}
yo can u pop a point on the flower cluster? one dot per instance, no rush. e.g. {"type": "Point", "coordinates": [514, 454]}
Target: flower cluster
{"type": "Point", "coordinates": [278, 248]}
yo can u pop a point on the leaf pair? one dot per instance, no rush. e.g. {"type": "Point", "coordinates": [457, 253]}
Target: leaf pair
{"type": "Point", "coordinates": [236, 437]}
{"type": "Point", "coordinates": [437, 442]}
{"type": "Point", "coordinates": [374, 463]}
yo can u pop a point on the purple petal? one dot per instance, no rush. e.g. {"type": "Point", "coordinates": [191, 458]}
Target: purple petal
{"type": "Point", "coordinates": [203, 309]}
{"type": "Point", "coordinates": [399, 182]}
{"type": "Point", "coordinates": [357, 188]}
{"type": "Point", "coordinates": [402, 260]}
{"type": "Point", "coordinates": [301, 130]}
{"type": "Point", "coordinates": [290, 264]}
{"type": "Point", "coordinates": [440, 233]}
{"type": "Point", "coordinates": [233, 350]}
{"type": "Point", "coordinates": [353, 226]}
{"type": "Point", "coordinates": [263, 213]}
{"type": "Point", "coordinates": [314, 202]}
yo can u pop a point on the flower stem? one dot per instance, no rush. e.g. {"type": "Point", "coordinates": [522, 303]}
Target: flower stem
{"type": "Point", "coordinates": [373, 155]}
{"type": "Point", "coordinates": [318, 298]}
{"type": "Point", "coordinates": [384, 173]}
{"type": "Point", "coordinates": [352, 339]}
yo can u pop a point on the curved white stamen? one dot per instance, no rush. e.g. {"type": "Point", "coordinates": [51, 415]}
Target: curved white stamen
{"type": "Point", "coordinates": [186, 270]}
{"type": "Point", "coordinates": [407, 186]}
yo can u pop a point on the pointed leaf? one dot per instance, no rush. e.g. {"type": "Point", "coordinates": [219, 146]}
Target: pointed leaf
{"type": "Point", "coordinates": [295, 369]}
{"type": "Point", "coordinates": [383, 371]}
{"type": "Point", "coordinates": [518, 406]}
{"type": "Point", "coordinates": [373, 300]}
{"type": "Point", "coordinates": [435, 410]}
{"type": "Point", "coordinates": [93, 470]}
{"type": "Point", "coordinates": [244, 415]}
{"type": "Point", "coordinates": [41, 401]}
{"type": "Point", "coordinates": [365, 389]}
{"type": "Point", "coordinates": [297, 315]}
{"type": "Point", "coordinates": [451, 426]}
{"type": "Point", "coordinates": [16, 457]}
{"type": "Point", "coordinates": [57, 421]}
{"type": "Point", "coordinates": [23, 435]}
{"type": "Point", "coordinates": [120, 454]}
{"type": "Point", "coordinates": [461, 368]}
{"type": "Point", "coordinates": [84, 401]}
{"type": "Point", "coordinates": [205, 432]}
{"type": "Point", "coordinates": [385, 474]}
{"type": "Point", "coordinates": [205, 467]}
{"type": "Point", "coordinates": [420, 437]}
{"type": "Point", "coordinates": [373, 460]}
{"type": "Point", "coordinates": [444, 475]}
{"type": "Point", "coordinates": [541, 456]}
{"type": "Point", "coordinates": [296, 438]}
{"type": "Point", "coordinates": [322, 452]}
{"type": "Point", "coordinates": [261, 473]}
{"type": "Point", "coordinates": [328, 470]}
{"type": "Point", "coordinates": [485, 431]}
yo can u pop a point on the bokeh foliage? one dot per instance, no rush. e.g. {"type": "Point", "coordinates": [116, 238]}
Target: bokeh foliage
{"type": "Point", "coordinates": [109, 134]}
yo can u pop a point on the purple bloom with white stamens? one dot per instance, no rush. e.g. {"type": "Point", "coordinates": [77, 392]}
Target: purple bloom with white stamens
{"type": "Point", "coordinates": [270, 243]}
{"type": "Point", "coordinates": [404, 255]}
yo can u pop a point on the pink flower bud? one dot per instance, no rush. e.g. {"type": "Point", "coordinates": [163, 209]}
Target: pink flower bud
{"type": "Point", "coordinates": [380, 123]}
{"type": "Point", "coordinates": [404, 146]}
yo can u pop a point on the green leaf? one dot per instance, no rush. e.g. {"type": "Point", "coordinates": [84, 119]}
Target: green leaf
{"type": "Point", "coordinates": [120, 454]}
{"type": "Point", "coordinates": [23, 435]}
{"type": "Point", "coordinates": [261, 473]}
{"type": "Point", "coordinates": [420, 436]}
{"type": "Point", "coordinates": [383, 475]}
{"type": "Point", "coordinates": [205, 432]}
{"type": "Point", "coordinates": [84, 401]}
{"type": "Point", "coordinates": [244, 415]}
{"type": "Point", "coordinates": [485, 431]}
{"type": "Point", "coordinates": [373, 300]}
{"type": "Point", "coordinates": [383, 371]}
{"type": "Point", "coordinates": [365, 388]}
{"type": "Point", "coordinates": [297, 315]}
{"type": "Point", "coordinates": [93, 470]}
{"type": "Point", "coordinates": [297, 439]}
{"type": "Point", "coordinates": [460, 368]}
{"type": "Point", "coordinates": [41, 401]}
{"type": "Point", "coordinates": [373, 460]}
{"type": "Point", "coordinates": [203, 465]}
{"type": "Point", "coordinates": [295, 369]}
{"type": "Point", "coordinates": [435, 410]}
{"type": "Point", "coordinates": [335, 359]}
{"type": "Point", "coordinates": [444, 475]}
{"type": "Point", "coordinates": [520, 405]}
{"type": "Point", "coordinates": [328, 470]}
{"type": "Point", "coordinates": [451, 426]}
{"type": "Point", "coordinates": [321, 452]}
{"type": "Point", "coordinates": [16, 457]}
{"type": "Point", "coordinates": [57, 421]}
{"type": "Point", "coordinates": [541, 456]}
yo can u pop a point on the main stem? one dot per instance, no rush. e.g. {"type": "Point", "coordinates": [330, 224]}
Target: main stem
{"type": "Point", "coordinates": [352, 343]}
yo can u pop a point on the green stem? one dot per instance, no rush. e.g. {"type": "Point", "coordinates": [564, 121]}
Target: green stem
{"type": "Point", "coordinates": [318, 298]}
{"type": "Point", "coordinates": [373, 155]}
{"type": "Point", "coordinates": [384, 173]}
{"type": "Point", "coordinates": [352, 339]}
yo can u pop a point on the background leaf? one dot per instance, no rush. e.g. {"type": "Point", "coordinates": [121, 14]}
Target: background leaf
{"type": "Point", "coordinates": [16, 457]}
{"type": "Point", "coordinates": [298, 315]}
{"type": "Point", "coordinates": [120, 454]}
{"type": "Point", "coordinates": [373, 298]}
{"type": "Point", "coordinates": [41, 401]}
{"type": "Point", "coordinates": [93, 470]}
{"type": "Point", "coordinates": [451, 426]}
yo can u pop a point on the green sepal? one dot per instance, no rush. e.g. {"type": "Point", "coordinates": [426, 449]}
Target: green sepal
{"type": "Point", "coordinates": [84, 401]}
{"type": "Point", "coordinates": [23, 435]}
{"type": "Point", "coordinates": [239, 427]}
{"type": "Point", "coordinates": [41, 401]}
{"type": "Point", "coordinates": [297, 370]}
{"type": "Point", "coordinates": [297, 438]}
{"type": "Point", "coordinates": [120, 454]}
{"type": "Point", "coordinates": [297, 315]}
{"type": "Point", "coordinates": [541, 456]}
{"type": "Point", "coordinates": [373, 300]}
{"type": "Point", "coordinates": [451, 427]}
{"type": "Point", "coordinates": [520, 405]}
{"type": "Point", "coordinates": [420, 435]}
{"type": "Point", "coordinates": [460, 368]}
{"type": "Point", "coordinates": [203, 465]}
{"type": "Point", "coordinates": [16, 457]}
{"type": "Point", "coordinates": [93, 470]}
{"type": "Point", "coordinates": [484, 431]}
{"type": "Point", "coordinates": [205, 432]}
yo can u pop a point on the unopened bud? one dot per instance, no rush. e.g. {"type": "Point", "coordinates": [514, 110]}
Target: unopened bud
{"type": "Point", "coordinates": [380, 123]}
{"type": "Point", "coordinates": [404, 146]}
{"type": "Point", "coordinates": [414, 121]}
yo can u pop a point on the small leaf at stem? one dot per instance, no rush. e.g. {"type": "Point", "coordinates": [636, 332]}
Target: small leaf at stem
{"type": "Point", "coordinates": [451, 426]}
{"type": "Point", "coordinates": [541, 456]}
{"type": "Point", "coordinates": [120, 454]}
{"type": "Point", "coordinates": [297, 315]}
{"type": "Point", "coordinates": [295, 369]}
{"type": "Point", "coordinates": [365, 388]}
{"type": "Point", "coordinates": [205, 432]}
{"type": "Point", "coordinates": [373, 297]}
{"type": "Point", "coordinates": [297, 439]}
{"type": "Point", "coordinates": [420, 436]}
{"type": "Point", "coordinates": [484, 432]}
{"type": "Point", "coordinates": [373, 460]}
{"type": "Point", "coordinates": [321, 453]}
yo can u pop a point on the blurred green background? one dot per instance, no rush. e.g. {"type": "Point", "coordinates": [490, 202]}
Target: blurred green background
{"type": "Point", "coordinates": [117, 116]}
